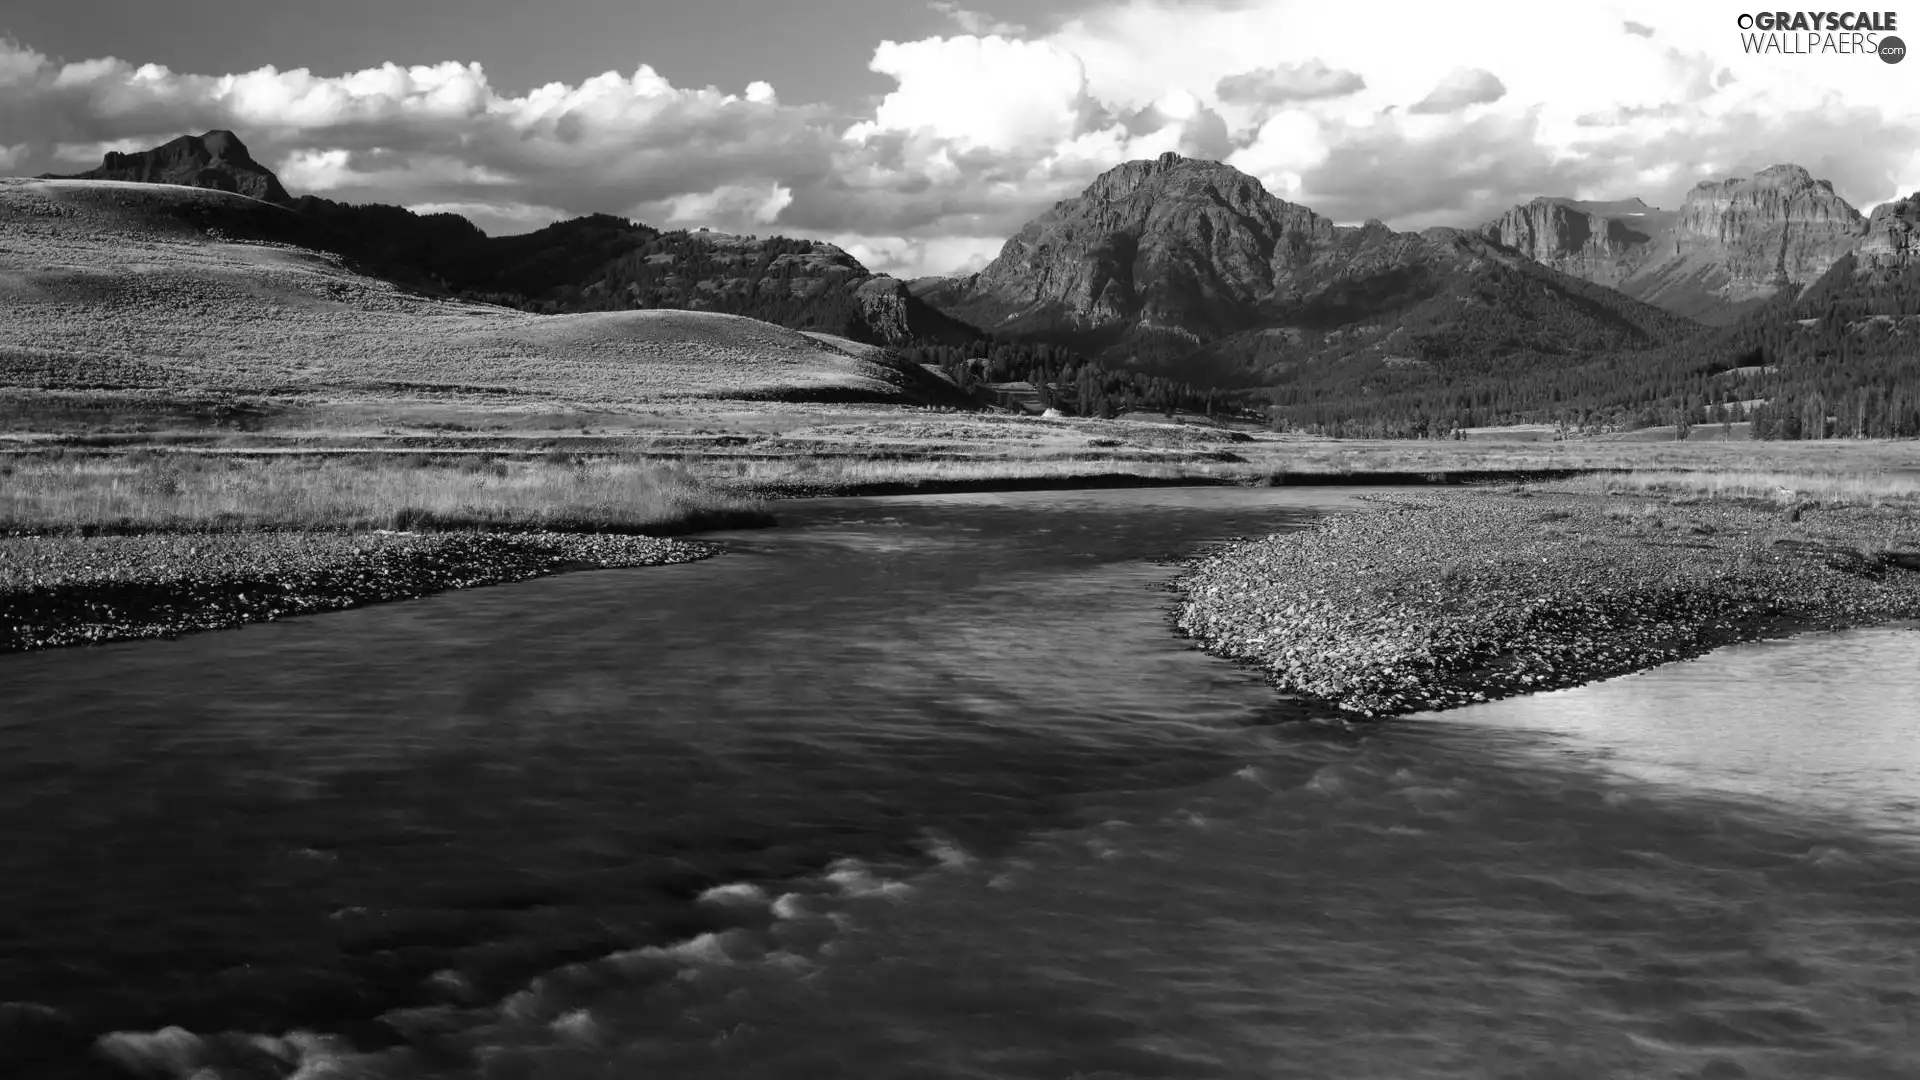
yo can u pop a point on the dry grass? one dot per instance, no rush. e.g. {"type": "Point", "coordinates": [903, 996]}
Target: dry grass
{"type": "Point", "coordinates": [105, 286]}
{"type": "Point", "coordinates": [1787, 488]}
{"type": "Point", "coordinates": [148, 492]}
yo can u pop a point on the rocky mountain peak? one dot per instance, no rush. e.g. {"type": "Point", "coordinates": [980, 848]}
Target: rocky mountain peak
{"type": "Point", "coordinates": [1194, 265]}
{"type": "Point", "coordinates": [1779, 225]}
{"type": "Point", "coordinates": [1173, 242]}
{"type": "Point", "coordinates": [217, 159]}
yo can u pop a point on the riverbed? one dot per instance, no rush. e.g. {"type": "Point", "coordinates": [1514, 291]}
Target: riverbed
{"type": "Point", "coordinates": [928, 786]}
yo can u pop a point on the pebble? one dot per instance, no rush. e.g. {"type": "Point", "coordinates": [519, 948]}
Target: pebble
{"type": "Point", "coordinates": [1432, 602]}
{"type": "Point", "coordinates": [66, 590]}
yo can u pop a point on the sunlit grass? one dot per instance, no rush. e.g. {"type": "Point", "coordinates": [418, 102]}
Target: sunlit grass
{"type": "Point", "coordinates": [1847, 489]}
{"type": "Point", "coordinates": [171, 492]}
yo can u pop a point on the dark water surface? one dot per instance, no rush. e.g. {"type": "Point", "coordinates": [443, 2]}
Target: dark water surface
{"type": "Point", "coordinates": [927, 787]}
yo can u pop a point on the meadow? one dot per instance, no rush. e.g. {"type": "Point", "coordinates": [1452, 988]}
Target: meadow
{"type": "Point", "coordinates": [158, 492]}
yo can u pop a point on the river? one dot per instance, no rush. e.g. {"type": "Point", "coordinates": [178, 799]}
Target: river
{"type": "Point", "coordinates": [927, 787]}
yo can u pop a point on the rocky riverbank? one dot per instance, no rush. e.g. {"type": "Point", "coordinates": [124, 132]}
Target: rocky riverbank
{"type": "Point", "coordinates": [1431, 602]}
{"type": "Point", "coordinates": [66, 590]}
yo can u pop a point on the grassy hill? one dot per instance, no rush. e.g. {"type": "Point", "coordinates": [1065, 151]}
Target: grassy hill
{"type": "Point", "coordinates": [177, 290]}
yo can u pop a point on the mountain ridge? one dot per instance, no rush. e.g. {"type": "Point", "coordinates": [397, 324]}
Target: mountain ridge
{"type": "Point", "coordinates": [1733, 244]}
{"type": "Point", "coordinates": [568, 266]}
{"type": "Point", "coordinates": [1175, 259]}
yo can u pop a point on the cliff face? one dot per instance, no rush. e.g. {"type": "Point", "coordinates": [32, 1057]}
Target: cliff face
{"type": "Point", "coordinates": [1731, 245]}
{"type": "Point", "coordinates": [217, 160]}
{"type": "Point", "coordinates": [1598, 242]}
{"type": "Point", "coordinates": [1892, 239]}
{"type": "Point", "coordinates": [1779, 226]}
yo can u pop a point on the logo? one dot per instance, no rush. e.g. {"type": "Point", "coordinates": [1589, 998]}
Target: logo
{"type": "Point", "coordinates": [1822, 33]}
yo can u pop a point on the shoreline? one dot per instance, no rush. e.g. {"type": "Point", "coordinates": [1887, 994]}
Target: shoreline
{"type": "Point", "coordinates": [1423, 603]}
{"type": "Point", "coordinates": [1119, 480]}
{"type": "Point", "coordinates": [70, 590]}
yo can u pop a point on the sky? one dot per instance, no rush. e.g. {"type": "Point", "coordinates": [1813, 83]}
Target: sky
{"type": "Point", "coordinates": [919, 136]}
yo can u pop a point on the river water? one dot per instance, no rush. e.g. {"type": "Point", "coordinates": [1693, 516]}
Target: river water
{"type": "Point", "coordinates": [927, 787]}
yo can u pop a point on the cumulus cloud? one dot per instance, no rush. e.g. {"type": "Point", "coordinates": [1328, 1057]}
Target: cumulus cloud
{"type": "Point", "coordinates": [1282, 83]}
{"type": "Point", "coordinates": [1467, 86]}
{"type": "Point", "coordinates": [990, 93]}
{"type": "Point", "coordinates": [728, 207]}
{"type": "Point", "coordinates": [1433, 114]}
{"type": "Point", "coordinates": [430, 133]}
{"type": "Point", "coordinates": [909, 257]}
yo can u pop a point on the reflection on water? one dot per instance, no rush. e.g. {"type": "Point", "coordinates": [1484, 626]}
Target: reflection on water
{"type": "Point", "coordinates": [926, 787]}
{"type": "Point", "coordinates": [1828, 721]}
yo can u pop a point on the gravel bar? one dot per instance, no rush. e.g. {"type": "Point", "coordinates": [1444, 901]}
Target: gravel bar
{"type": "Point", "coordinates": [1432, 602]}
{"type": "Point", "coordinates": [68, 590]}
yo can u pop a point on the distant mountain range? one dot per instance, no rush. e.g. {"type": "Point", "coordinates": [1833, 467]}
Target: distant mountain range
{"type": "Point", "coordinates": [1770, 287]}
{"type": "Point", "coordinates": [1731, 245]}
{"type": "Point", "coordinates": [593, 263]}
{"type": "Point", "coordinates": [1192, 265]}
{"type": "Point", "coordinates": [1593, 312]}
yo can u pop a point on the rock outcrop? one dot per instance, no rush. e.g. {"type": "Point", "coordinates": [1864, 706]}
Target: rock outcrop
{"type": "Point", "coordinates": [1599, 242]}
{"type": "Point", "coordinates": [1780, 226]}
{"type": "Point", "coordinates": [1892, 239]}
{"type": "Point", "coordinates": [217, 160]}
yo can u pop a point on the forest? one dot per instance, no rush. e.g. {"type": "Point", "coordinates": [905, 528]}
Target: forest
{"type": "Point", "coordinates": [1842, 359]}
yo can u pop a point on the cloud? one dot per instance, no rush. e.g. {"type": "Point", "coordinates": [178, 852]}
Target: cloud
{"type": "Point", "coordinates": [428, 133]}
{"type": "Point", "coordinates": [1467, 86]}
{"type": "Point", "coordinates": [909, 257]}
{"type": "Point", "coordinates": [990, 93]}
{"type": "Point", "coordinates": [497, 219]}
{"type": "Point", "coordinates": [1282, 83]}
{"type": "Point", "coordinates": [1432, 114]}
{"type": "Point", "coordinates": [974, 22]}
{"type": "Point", "coordinates": [730, 207]}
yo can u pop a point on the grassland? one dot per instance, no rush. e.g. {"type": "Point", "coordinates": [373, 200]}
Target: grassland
{"type": "Point", "coordinates": [163, 291]}
{"type": "Point", "coordinates": [155, 492]}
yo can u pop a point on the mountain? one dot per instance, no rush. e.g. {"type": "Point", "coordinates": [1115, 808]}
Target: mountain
{"type": "Point", "coordinates": [225, 299]}
{"type": "Point", "coordinates": [1892, 239]}
{"type": "Point", "coordinates": [1837, 357]}
{"type": "Point", "coordinates": [1732, 245]}
{"type": "Point", "coordinates": [1192, 267]}
{"type": "Point", "coordinates": [594, 263]}
{"type": "Point", "coordinates": [217, 160]}
{"type": "Point", "coordinates": [1601, 242]}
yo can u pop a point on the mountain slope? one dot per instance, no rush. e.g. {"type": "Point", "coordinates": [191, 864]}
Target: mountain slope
{"type": "Point", "coordinates": [582, 264]}
{"type": "Point", "coordinates": [1191, 266]}
{"type": "Point", "coordinates": [1840, 357]}
{"type": "Point", "coordinates": [183, 292]}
